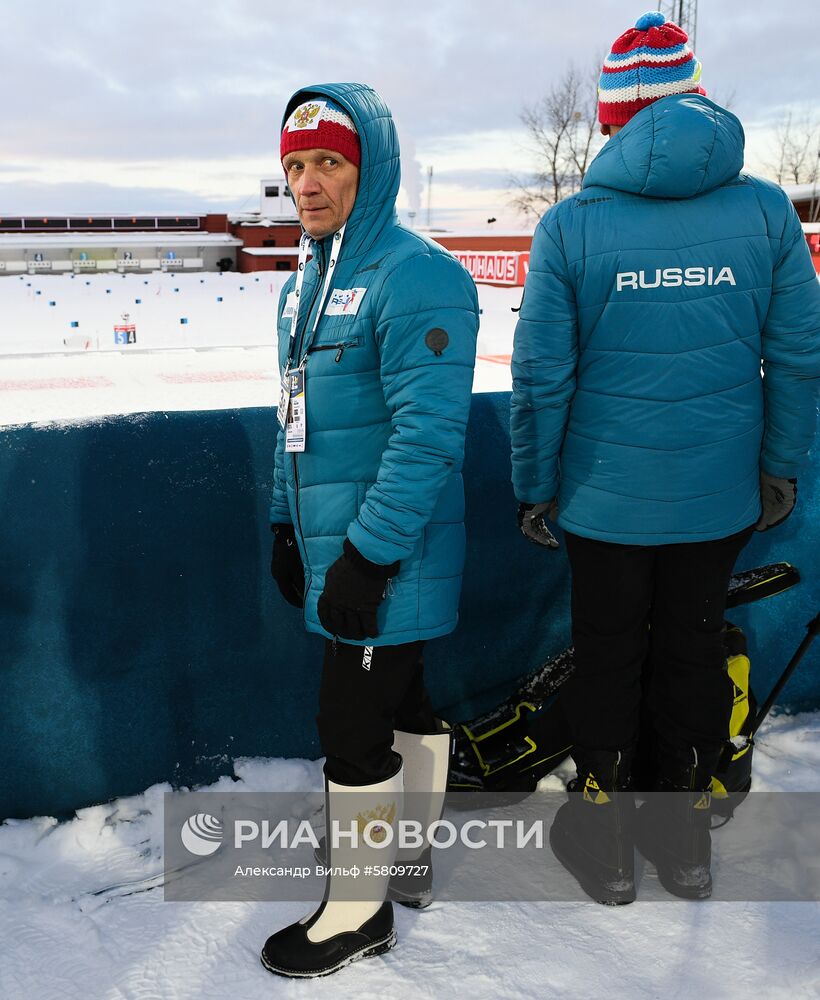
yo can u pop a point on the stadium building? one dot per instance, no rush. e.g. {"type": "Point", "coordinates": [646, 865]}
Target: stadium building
{"type": "Point", "coordinates": [265, 240]}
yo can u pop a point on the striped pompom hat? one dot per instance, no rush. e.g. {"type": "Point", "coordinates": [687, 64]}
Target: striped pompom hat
{"type": "Point", "coordinates": [321, 124]}
{"type": "Point", "coordinates": [649, 61]}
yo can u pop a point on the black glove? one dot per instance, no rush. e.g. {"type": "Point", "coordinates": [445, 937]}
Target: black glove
{"type": "Point", "coordinates": [533, 524]}
{"type": "Point", "coordinates": [354, 589]}
{"type": "Point", "coordinates": [286, 565]}
{"type": "Point", "coordinates": [778, 497]}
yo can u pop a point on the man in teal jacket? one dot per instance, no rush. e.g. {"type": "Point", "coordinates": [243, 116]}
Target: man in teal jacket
{"type": "Point", "coordinates": [377, 338]}
{"type": "Point", "coordinates": [639, 413]}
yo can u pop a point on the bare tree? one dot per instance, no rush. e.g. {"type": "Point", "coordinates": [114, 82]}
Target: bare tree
{"type": "Point", "coordinates": [562, 130]}
{"type": "Point", "coordinates": [796, 150]}
{"type": "Point", "coordinates": [725, 98]}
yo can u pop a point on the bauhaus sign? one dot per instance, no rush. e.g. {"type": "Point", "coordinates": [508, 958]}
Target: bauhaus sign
{"type": "Point", "coordinates": [500, 268]}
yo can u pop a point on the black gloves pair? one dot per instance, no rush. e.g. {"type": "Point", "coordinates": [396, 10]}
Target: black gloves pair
{"type": "Point", "coordinates": [354, 586]}
{"type": "Point", "coordinates": [777, 499]}
{"type": "Point", "coordinates": [354, 589]}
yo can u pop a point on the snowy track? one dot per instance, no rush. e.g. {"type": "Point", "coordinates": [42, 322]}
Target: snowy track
{"type": "Point", "coordinates": [82, 387]}
{"type": "Point", "coordinates": [223, 357]}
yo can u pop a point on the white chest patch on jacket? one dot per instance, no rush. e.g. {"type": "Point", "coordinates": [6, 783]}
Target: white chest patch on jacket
{"type": "Point", "coordinates": [290, 305]}
{"type": "Point", "coordinates": [344, 301]}
{"type": "Point", "coordinates": [674, 277]}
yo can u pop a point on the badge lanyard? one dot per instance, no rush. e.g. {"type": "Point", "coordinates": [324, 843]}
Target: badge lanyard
{"type": "Point", "coordinates": [336, 249]}
{"type": "Point", "coordinates": [291, 411]}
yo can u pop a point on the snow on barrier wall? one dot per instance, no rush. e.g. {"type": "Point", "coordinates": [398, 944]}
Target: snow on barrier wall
{"type": "Point", "coordinates": [143, 639]}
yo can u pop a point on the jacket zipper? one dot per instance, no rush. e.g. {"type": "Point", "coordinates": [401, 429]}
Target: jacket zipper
{"type": "Point", "coordinates": [339, 348]}
{"type": "Point", "coordinates": [320, 266]}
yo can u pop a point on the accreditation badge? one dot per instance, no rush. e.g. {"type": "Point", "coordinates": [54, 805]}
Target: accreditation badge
{"type": "Point", "coordinates": [296, 426]}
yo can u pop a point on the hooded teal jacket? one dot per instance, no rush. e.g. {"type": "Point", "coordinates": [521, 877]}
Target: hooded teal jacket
{"type": "Point", "coordinates": [387, 398]}
{"type": "Point", "coordinates": [653, 297]}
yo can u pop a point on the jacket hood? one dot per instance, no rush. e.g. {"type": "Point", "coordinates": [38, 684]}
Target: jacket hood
{"type": "Point", "coordinates": [677, 147]}
{"type": "Point", "coordinates": [379, 170]}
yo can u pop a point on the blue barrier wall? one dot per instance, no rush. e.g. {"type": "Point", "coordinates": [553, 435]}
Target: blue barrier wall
{"type": "Point", "coordinates": [142, 639]}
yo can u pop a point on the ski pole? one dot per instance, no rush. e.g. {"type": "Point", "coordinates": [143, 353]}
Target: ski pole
{"type": "Point", "coordinates": [813, 629]}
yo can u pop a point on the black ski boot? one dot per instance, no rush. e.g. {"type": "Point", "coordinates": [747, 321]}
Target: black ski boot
{"type": "Point", "coordinates": [592, 833]}
{"type": "Point", "coordinates": [672, 828]}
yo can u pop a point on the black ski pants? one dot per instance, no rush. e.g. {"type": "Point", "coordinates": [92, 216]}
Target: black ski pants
{"type": "Point", "coordinates": [664, 604]}
{"type": "Point", "coordinates": [366, 693]}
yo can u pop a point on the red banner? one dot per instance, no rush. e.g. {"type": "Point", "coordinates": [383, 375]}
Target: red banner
{"type": "Point", "coordinates": [508, 267]}
{"type": "Point", "coordinates": [500, 268]}
{"type": "Point", "coordinates": [813, 240]}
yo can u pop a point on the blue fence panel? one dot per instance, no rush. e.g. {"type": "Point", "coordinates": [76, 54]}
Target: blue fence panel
{"type": "Point", "coordinates": [142, 639]}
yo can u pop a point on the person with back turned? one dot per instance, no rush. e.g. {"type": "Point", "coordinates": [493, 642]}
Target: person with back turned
{"type": "Point", "coordinates": [641, 421]}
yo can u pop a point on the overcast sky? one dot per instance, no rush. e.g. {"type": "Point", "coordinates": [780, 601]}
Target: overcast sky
{"type": "Point", "coordinates": [175, 105]}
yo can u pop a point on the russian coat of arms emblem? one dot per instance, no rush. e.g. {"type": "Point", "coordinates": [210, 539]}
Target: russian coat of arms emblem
{"type": "Point", "coordinates": [381, 816]}
{"type": "Point", "coordinates": [305, 115]}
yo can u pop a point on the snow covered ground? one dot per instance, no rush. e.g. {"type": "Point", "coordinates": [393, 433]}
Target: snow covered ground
{"type": "Point", "coordinates": [47, 313]}
{"type": "Point", "coordinates": [223, 355]}
{"type": "Point", "coordinates": [79, 919]}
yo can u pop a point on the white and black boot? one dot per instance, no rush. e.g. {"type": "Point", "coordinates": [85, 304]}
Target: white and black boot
{"type": "Point", "coordinates": [354, 920]}
{"type": "Point", "coordinates": [426, 765]}
{"type": "Point", "coordinates": [426, 759]}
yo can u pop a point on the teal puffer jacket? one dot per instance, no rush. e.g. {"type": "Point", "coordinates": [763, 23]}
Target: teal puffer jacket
{"type": "Point", "coordinates": [652, 298]}
{"type": "Point", "coordinates": [388, 393]}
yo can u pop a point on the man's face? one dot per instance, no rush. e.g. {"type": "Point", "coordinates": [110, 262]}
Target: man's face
{"type": "Point", "coordinates": [324, 186]}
